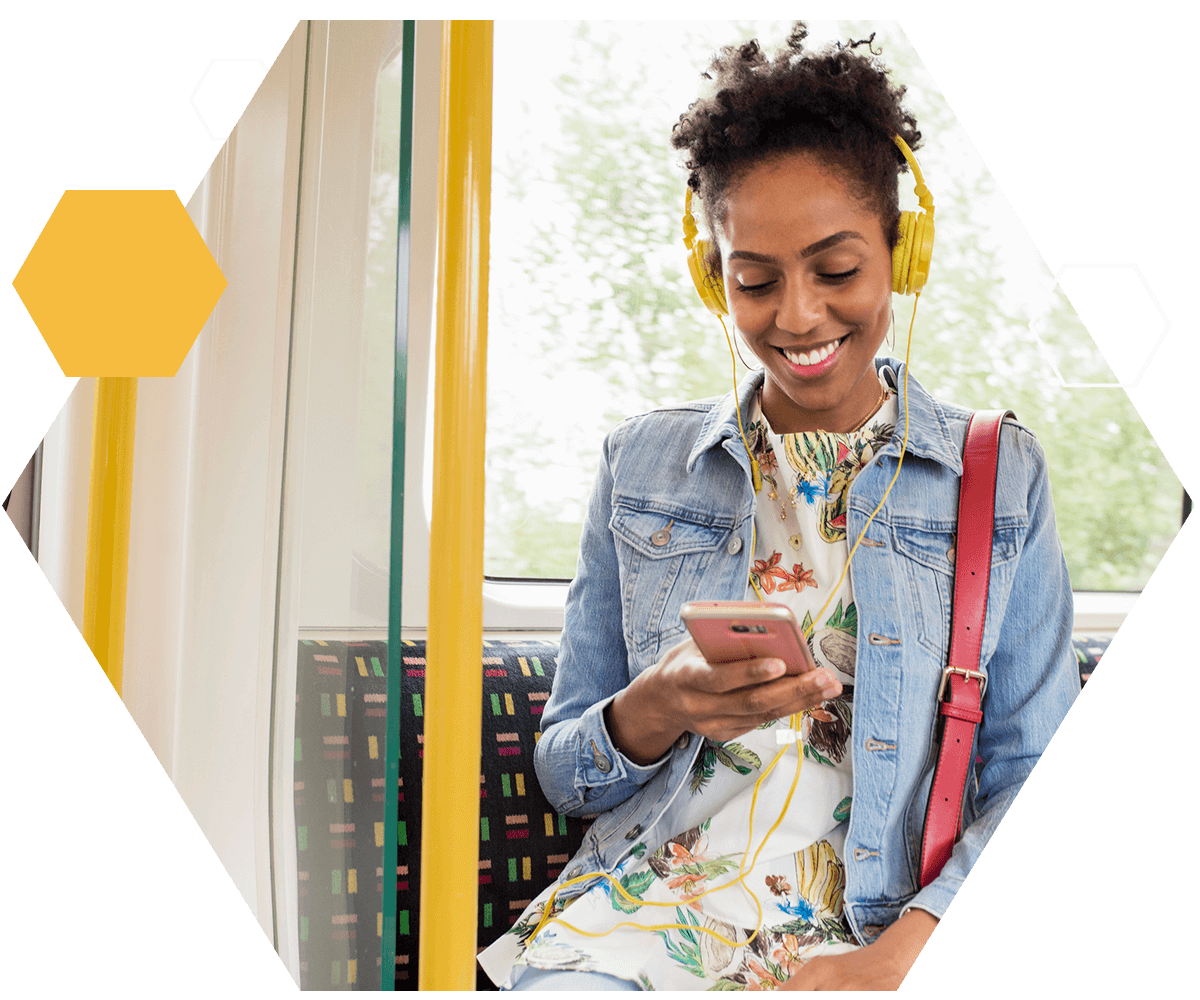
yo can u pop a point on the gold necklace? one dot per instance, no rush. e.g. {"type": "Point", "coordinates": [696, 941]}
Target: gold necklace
{"type": "Point", "coordinates": [794, 495]}
{"type": "Point", "coordinates": [874, 409]}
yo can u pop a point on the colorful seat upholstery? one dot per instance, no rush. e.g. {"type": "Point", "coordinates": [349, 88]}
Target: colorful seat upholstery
{"type": "Point", "coordinates": [341, 724]}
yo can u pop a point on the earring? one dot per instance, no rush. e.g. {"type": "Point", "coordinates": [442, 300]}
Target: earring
{"type": "Point", "coordinates": [738, 347]}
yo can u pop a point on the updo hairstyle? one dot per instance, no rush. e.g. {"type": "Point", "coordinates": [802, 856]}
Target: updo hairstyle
{"type": "Point", "coordinates": [836, 103]}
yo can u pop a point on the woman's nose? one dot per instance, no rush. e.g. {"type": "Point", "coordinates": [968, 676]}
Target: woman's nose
{"type": "Point", "coordinates": [801, 308]}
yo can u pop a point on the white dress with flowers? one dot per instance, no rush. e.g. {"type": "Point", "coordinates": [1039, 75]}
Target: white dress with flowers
{"type": "Point", "coordinates": [794, 878]}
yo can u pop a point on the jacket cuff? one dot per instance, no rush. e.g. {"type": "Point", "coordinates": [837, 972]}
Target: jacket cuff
{"type": "Point", "coordinates": [600, 763]}
{"type": "Point", "coordinates": [935, 898]}
{"type": "Point", "coordinates": [924, 909]}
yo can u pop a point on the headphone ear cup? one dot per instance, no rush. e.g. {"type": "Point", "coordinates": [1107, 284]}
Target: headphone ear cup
{"type": "Point", "coordinates": [902, 253]}
{"type": "Point", "coordinates": [922, 252]}
{"type": "Point", "coordinates": [709, 286]}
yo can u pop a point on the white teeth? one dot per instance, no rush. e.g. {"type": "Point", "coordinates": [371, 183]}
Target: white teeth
{"type": "Point", "coordinates": [813, 357]}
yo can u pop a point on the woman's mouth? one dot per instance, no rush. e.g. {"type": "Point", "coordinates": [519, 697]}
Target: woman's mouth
{"type": "Point", "coordinates": [814, 362]}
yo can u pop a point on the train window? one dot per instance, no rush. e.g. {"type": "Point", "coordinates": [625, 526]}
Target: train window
{"type": "Point", "coordinates": [593, 318]}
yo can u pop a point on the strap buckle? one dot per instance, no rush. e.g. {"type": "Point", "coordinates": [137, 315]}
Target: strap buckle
{"type": "Point", "coordinates": [962, 672]}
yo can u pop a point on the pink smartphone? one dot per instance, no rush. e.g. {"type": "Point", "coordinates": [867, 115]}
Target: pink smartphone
{"type": "Point", "coordinates": [745, 630]}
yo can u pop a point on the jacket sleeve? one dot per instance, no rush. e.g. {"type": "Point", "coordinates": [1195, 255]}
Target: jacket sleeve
{"type": "Point", "coordinates": [1033, 678]}
{"type": "Point", "coordinates": [580, 769]}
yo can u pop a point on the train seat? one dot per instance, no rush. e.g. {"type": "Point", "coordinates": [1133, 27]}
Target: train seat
{"type": "Point", "coordinates": [341, 724]}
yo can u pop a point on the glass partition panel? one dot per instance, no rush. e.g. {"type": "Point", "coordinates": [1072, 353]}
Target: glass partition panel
{"type": "Point", "coordinates": [332, 630]}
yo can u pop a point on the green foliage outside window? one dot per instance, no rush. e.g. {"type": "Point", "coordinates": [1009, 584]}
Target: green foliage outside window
{"type": "Point", "coordinates": [608, 324]}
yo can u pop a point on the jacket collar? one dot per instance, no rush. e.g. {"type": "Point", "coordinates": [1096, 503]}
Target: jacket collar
{"type": "Point", "coordinates": [928, 436]}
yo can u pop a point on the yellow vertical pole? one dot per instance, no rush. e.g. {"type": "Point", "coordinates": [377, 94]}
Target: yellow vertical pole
{"type": "Point", "coordinates": [453, 678]}
{"type": "Point", "coordinates": [110, 492]}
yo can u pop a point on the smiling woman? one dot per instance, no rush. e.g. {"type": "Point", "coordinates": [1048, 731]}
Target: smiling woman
{"type": "Point", "coordinates": [762, 824]}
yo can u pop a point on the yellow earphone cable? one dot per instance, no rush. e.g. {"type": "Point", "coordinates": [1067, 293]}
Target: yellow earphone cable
{"type": "Point", "coordinates": [743, 871]}
{"type": "Point", "coordinates": [755, 471]}
{"type": "Point", "coordinates": [899, 462]}
{"type": "Point", "coordinates": [756, 475]}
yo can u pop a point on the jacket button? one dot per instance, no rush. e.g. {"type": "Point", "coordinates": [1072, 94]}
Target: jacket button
{"type": "Point", "coordinates": [734, 546]}
{"type": "Point", "coordinates": [683, 741]}
{"type": "Point", "coordinates": [574, 873]}
{"type": "Point", "coordinates": [603, 764]}
{"type": "Point", "coordinates": [633, 832]}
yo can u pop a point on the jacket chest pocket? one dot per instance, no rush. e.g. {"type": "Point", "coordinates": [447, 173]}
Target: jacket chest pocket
{"type": "Point", "coordinates": [928, 561]}
{"type": "Point", "coordinates": [663, 559]}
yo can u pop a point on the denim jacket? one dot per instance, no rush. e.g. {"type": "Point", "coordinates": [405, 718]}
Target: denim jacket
{"type": "Point", "coordinates": [687, 465]}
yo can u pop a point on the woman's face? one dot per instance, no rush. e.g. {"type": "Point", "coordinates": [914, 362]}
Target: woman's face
{"type": "Point", "coordinates": [808, 279]}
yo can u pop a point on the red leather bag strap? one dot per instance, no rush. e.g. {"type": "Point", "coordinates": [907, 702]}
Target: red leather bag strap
{"type": "Point", "coordinates": [960, 694]}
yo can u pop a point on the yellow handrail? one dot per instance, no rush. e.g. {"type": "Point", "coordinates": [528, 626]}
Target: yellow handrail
{"type": "Point", "coordinates": [453, 684]}
{"type": "Point", "coordinates": [110, 492]}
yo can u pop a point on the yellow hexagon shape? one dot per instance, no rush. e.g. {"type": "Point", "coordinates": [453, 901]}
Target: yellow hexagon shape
{"type": "Point", "coordinates": [119, 283]}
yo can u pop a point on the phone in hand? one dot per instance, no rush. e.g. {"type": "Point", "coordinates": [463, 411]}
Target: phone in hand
{"type": "Point", "coordinates": [727, 631]}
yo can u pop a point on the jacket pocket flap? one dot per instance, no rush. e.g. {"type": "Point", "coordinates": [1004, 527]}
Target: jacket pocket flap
{"type": "Point", "coordinates": [937, 549]}
{"type": "Point", "coordinates": [658, 535]}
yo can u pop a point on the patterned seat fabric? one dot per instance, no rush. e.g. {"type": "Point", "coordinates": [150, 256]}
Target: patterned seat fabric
{"type": "Point", "coordinates": [341, 725]}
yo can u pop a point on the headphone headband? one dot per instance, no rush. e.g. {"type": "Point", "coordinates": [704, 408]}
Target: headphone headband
{"type": "Point", "coordinates": [924, 198]}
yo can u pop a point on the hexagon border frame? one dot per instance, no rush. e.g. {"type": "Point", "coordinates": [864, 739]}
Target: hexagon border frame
{"type": "Point", "coordinates": [1153, 351]}
{"type": "Point", "coordinates": [191, 97]}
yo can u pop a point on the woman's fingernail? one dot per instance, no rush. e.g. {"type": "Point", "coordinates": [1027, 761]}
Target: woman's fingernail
{"type": "Point", "coordinates": [776, 667]}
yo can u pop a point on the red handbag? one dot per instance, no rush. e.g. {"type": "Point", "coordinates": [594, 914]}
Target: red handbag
{"type": "Point", "coordinates": [960, 695]}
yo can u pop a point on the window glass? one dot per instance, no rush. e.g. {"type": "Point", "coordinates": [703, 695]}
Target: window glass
{"type": "Point", "coordinates": [333, 605]}
{"type": "Point", "coordinates": [592, 316]}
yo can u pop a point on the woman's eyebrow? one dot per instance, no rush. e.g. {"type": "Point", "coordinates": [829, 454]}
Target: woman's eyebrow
{"type": "Point", "coordinates": [808, 251]}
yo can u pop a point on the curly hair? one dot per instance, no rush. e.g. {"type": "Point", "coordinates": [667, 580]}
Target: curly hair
{"type": "Point", "coordinates": [836, 103]}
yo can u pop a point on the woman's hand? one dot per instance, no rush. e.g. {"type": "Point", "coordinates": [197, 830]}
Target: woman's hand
{"type": "Point", "coordinates": [684, 693]}
{"type": "Point", "coordinates": [879, 966]}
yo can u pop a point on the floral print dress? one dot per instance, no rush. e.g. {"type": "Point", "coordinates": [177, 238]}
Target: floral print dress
{"type": "Point", "coordinates": [702, 911]}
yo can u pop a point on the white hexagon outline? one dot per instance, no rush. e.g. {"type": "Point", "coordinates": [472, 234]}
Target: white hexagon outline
{"type": "Point", "coordinates": [200, 83]}
{"type": "Point", "coordinates": [1045, 350]}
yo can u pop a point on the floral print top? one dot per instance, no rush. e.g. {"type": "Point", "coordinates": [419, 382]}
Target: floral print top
{"type": "Point", "coordinates": [728, 904]}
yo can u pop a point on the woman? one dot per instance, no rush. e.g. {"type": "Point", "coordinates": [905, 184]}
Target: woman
{"type": "Point", "coordinates": [758, 829]}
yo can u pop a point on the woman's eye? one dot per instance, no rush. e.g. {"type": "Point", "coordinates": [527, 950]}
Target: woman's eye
{"type": "Point", "coordinates": [840, 275]}
{"type": "Point", "coordinates": [755, 289]}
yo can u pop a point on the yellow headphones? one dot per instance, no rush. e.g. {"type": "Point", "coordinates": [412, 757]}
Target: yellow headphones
{"type": "Point", "coordinates": [910, 258]}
